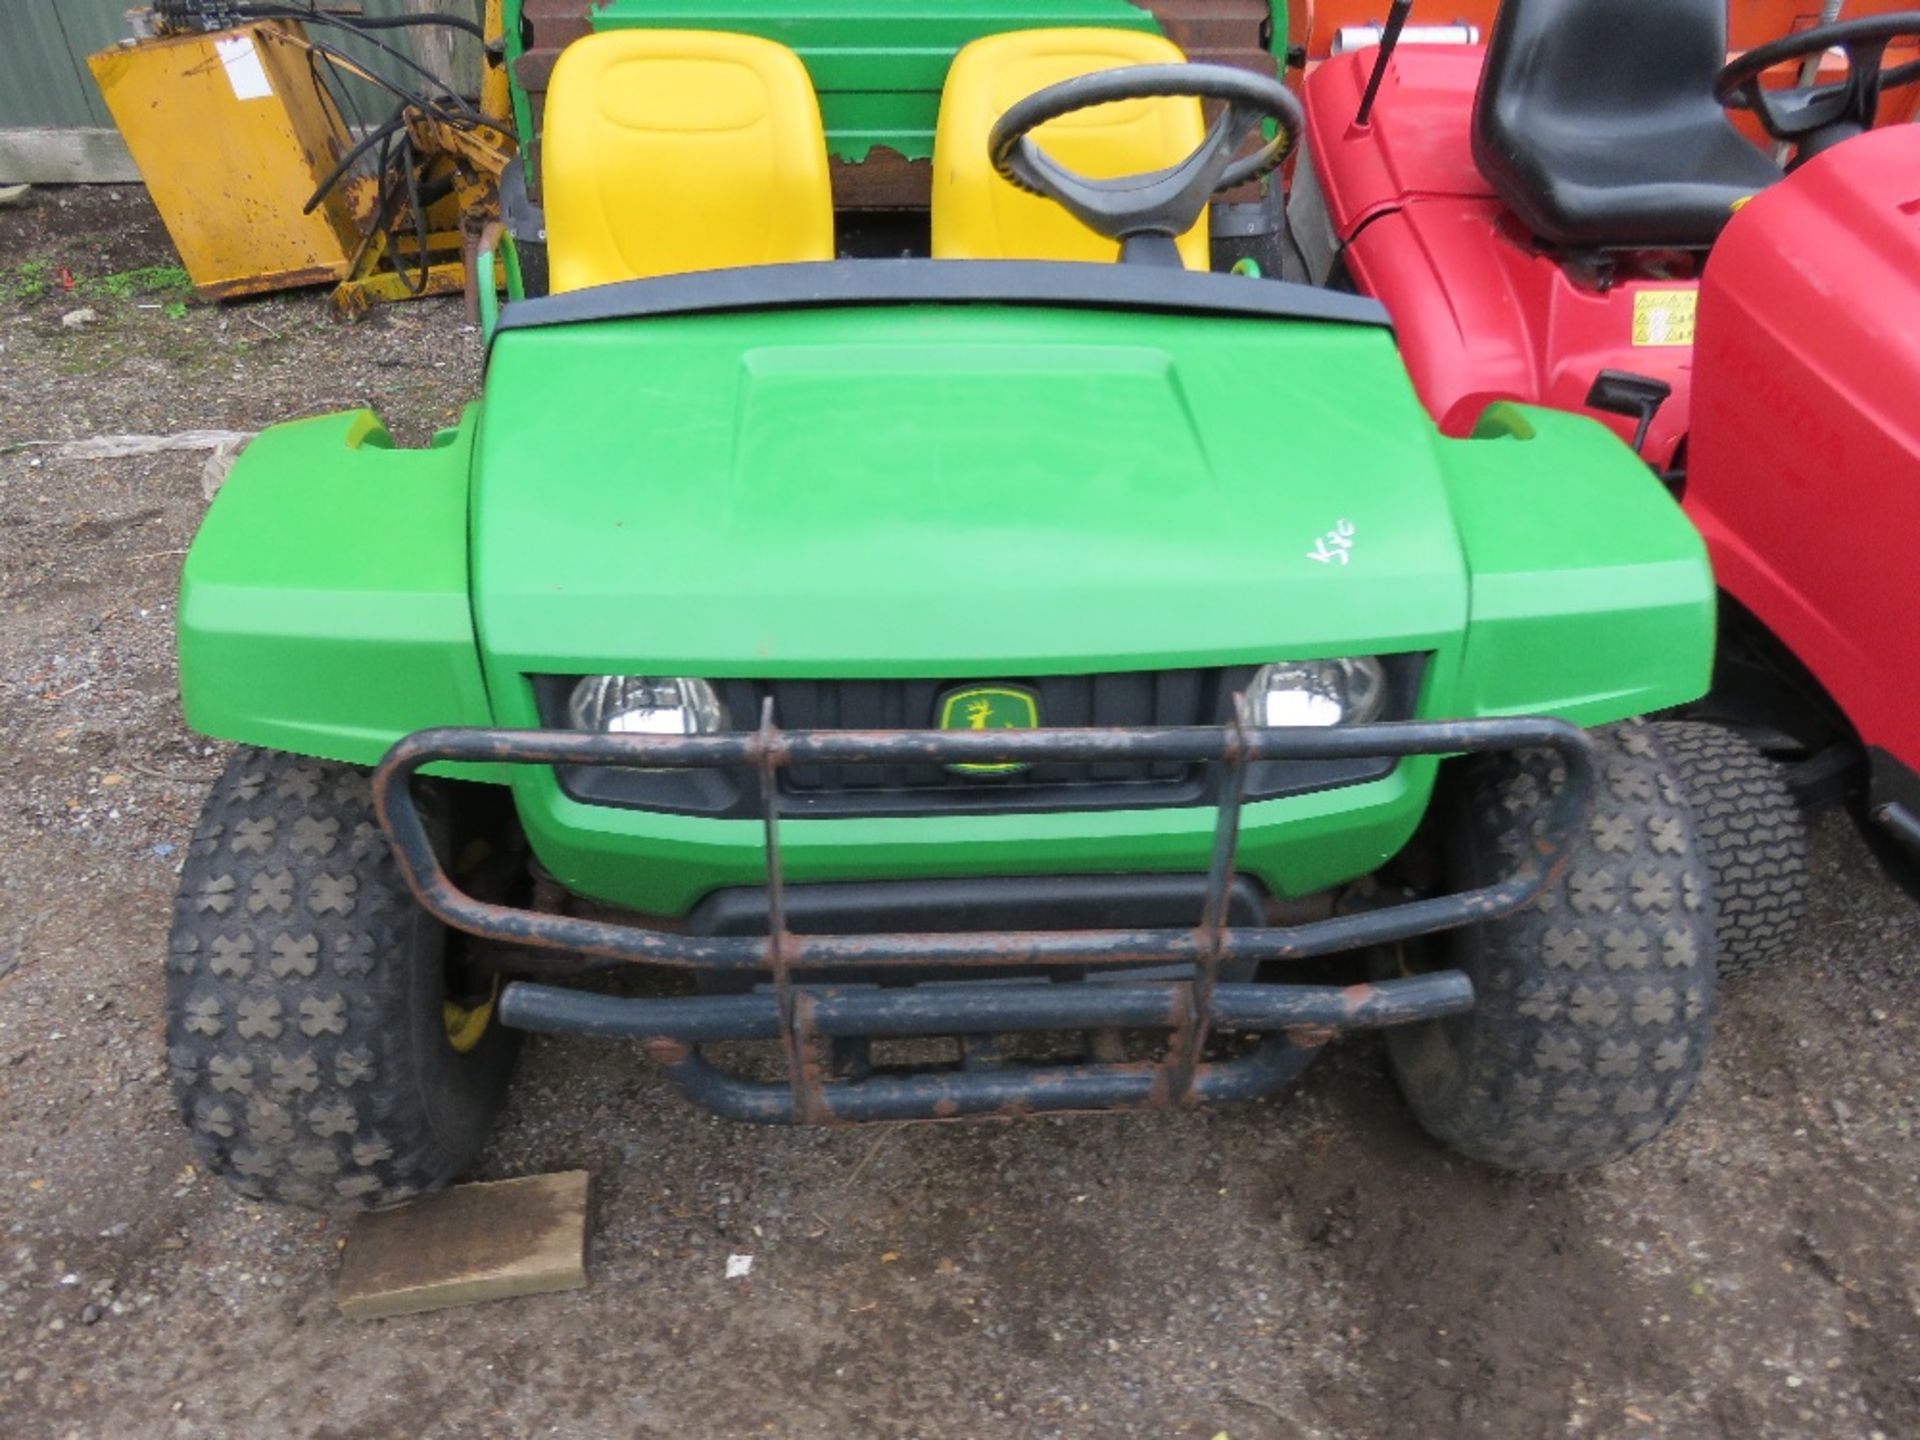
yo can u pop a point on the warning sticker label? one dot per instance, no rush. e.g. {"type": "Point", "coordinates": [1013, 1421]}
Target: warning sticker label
{"type": "Point", "coordinates": [1664, 317]}
{"type": "Point", "coordinates": [244, 71]}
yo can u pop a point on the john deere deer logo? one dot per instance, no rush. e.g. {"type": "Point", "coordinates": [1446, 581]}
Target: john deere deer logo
{"type": "Point", "coordinates": [989, 707]}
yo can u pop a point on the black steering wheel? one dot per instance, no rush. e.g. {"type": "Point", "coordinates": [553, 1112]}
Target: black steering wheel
{"type": "Point", "coordinates": [1818, 117]}
{"type": "Point", "coordinates": [1145, 212]}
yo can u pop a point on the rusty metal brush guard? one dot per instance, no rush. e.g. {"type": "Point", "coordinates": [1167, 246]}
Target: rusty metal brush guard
{"type": "Point", "coordinates": [1292, 1020]}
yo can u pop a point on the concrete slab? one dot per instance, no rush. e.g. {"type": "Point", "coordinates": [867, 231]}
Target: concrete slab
{"type": "Point", "coordinates": [465, 1245]}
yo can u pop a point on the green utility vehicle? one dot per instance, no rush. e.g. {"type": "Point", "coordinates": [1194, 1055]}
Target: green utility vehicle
{"type": "Point", "coordinates": [1039, 674]}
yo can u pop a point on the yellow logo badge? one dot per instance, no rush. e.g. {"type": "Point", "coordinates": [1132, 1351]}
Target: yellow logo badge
{"type": "Point", "coordinates": [990, 707]}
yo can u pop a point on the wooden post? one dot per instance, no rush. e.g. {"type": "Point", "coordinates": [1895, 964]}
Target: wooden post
{"type": "Point", "coordinates": [434, 45]}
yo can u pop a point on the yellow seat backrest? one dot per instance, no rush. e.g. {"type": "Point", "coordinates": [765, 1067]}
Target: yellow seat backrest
{"type": "Point", "coordinates": [979, 216]}
{"type": "Point", "coordinates": [664, 151]}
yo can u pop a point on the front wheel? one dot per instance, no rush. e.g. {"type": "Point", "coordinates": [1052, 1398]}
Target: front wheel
{"type": "Point", "coordinates": [327, 1049]}
{"type": "Point", "coordinates": [1594, 1001]}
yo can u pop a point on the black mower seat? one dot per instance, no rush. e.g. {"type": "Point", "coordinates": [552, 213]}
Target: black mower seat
{"type": "Point", "coordinates": [1596, 123]}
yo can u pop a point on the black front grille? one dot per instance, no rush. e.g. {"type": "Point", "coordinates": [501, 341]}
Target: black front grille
{"type": "Point", "coordinates": [1133, 699]}
{"type": "Point", "coordinates": [1142, 698]}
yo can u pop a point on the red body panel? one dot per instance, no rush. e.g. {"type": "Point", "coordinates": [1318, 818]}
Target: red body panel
{"type": "Point", "coordinates": [1482, 313]}
{"type": "Point", "coordinates": [1804, 462]}
{"type": "Point", "coordinates": [1800, 405]}
{"type": "Point", "coordinates": [1313, 24]}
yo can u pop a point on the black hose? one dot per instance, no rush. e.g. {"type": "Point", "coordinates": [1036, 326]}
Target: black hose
{"type": "Point", "coordinates": [464, 118]}
{"type": "Point", "coordinates": [363, 22]}
{"type": "Point", "coordinates": [402, 22]}
{"type": "Point", "coordinates": [354, 27]}
{"type": "Point", "coordinates": [411, 167]}
{"type": "Point", "coordinates": [396, 166]}
{"type": "Point", "coordinates": [395, 121]}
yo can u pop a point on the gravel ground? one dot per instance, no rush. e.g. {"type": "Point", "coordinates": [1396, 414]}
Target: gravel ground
{"type": "Point", "coordinates": [1306, 1267]}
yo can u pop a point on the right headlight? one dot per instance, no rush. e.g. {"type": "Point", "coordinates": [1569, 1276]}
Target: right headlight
{"type": "Point", "coordinates": [1319, 692]}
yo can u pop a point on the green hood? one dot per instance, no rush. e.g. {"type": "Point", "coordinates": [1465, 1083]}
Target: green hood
{"type": "Point", "coordinates": [951, 491]}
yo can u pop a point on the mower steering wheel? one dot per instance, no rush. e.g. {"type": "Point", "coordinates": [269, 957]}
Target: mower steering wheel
{"type": "Point", "coordinates": [1817, 117]}
{"type": "Point", "coordinates": [1145, 212]}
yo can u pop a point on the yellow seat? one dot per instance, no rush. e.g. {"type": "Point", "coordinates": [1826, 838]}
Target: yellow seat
{"type": "Point", "coordinates": [979, 216]}
{"type": "Point", "coordinates": [665, 151]}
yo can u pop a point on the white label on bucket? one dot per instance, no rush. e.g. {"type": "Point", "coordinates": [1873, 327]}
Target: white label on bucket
{"type": "Point", "coordinates": [244, 71]}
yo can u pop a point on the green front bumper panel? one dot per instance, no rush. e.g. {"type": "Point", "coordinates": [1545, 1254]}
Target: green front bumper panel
{"type": "Point", "coordinates": [964, 493]}
{"type": "Point", "coordinates": [664, 864]}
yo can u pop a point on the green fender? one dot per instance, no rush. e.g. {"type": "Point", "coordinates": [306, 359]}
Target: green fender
{"type": "Point", "coordinates": [1590, 596]}
{"type": "Point", "coordinates": [324, 604]}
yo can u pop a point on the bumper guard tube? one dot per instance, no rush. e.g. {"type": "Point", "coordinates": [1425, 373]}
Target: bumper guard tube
{"type": "Point", "coordinates": [1293, 1021]}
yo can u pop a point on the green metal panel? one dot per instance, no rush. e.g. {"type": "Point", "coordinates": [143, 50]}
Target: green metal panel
{"type": "Point", "coordinates": [44, 44]}
{"type": "Point", "coordinates": [43, 61]}
{"type": "Point", "coordinates": [877, 65]}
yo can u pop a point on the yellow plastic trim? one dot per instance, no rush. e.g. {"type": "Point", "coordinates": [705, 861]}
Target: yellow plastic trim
{"type": "Point", "coordinates": [667, 151]}
{"type": "Point", "coordinates": [466, 1024]}
{"type": "Point", "coordinates": [979, 216]}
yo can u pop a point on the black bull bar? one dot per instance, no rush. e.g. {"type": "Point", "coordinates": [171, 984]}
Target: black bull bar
{"type": "Point", "coordinates": [1293, 1021]}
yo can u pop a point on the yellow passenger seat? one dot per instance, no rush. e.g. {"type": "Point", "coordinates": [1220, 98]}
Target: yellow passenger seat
{"type": "Point", "coordinates": [979, 216]}
{"type": "Point", "coordinates": [665, 151]}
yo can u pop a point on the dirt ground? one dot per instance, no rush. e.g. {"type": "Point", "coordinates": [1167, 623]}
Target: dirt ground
{"type": "Point", "coordinates": [1309, 1267]}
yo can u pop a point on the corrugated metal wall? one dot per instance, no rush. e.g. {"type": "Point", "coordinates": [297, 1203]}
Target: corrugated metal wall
{"type": "Point", "coordinates": [44, 46]}
{"type": "Point", "coordinates": [45, 85]}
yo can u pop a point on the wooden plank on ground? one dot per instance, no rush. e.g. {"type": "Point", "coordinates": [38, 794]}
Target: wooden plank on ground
{"type": "Point", "coordinates": [465, 1245]}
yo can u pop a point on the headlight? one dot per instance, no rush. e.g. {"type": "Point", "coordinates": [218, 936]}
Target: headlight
{"type": "Point", "coordinates": [645, 705]}
{"type": "Point", "coordinates": [1318, 692]}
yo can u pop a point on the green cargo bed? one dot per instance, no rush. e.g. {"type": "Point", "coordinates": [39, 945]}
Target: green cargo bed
{"type": "Point", "coordinates": [878, 65]}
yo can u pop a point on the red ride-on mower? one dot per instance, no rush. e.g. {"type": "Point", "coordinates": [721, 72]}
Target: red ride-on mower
{"type": "Point", "coordinates": [1551, 218]}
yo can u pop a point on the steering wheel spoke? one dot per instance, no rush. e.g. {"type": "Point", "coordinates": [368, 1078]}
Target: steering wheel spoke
{"type": "Point", "coordinates": [1160, 203]}
{"type": "Point", "coordinates": [1814, 116]}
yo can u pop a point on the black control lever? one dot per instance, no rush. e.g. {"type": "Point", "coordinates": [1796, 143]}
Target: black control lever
{"type": "Point", "coordinates": [1389, 41]}
{"type": "Point", "coordinates": [1638, 397]}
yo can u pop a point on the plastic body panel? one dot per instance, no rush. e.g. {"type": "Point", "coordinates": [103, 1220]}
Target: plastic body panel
{"type": "Point", "coordinates": [1483, 312]}
{"type": "Point", "coordinates": [963, 492]}
{"type": "Point", "coordinates": [982, 493]}
{"type": "Point", "coordinates": [666, 864]}
{"type": "Point", "coordinates": [1804, 463]}
{"type": "Point", "coordinates": [979, 216]}
{"type": "Point", "coordinates": [951, 491]}
{"type": "Point", "coordinates": [324, 602]}
{"type": "Point", "coordinates": [1600, 598]}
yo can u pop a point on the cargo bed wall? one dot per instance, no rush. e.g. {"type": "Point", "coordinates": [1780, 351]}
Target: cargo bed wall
{"type": "Point", "coordinates": [878, 65]}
